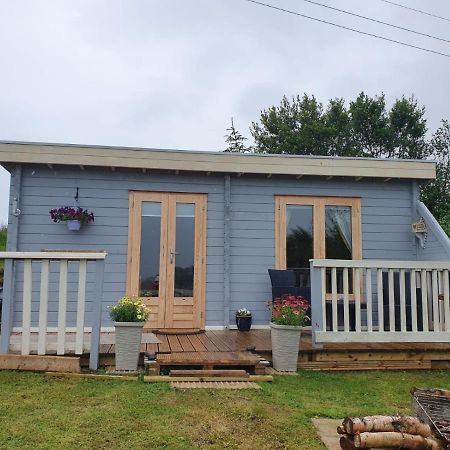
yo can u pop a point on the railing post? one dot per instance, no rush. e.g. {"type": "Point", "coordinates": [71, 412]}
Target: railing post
{"type": "Point", "coordinates": [317, 318]}
{"type": "Point", "coordinates": [97, 315]}
{"type": "Point", "coordinates": [7, 306]}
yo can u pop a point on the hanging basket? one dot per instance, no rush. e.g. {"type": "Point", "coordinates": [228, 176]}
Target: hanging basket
{"type": "Point", "coordinates": [73, 225]}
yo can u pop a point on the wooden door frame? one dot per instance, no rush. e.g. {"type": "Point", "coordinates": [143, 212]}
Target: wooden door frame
{"type": "Point", "coordinates": [134, 240]}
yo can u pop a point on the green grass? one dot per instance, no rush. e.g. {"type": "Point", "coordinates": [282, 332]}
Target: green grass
{"type": "Point", "coordinates": [3, 233]}
{"type": "Point", "coordinates": [42, 413]}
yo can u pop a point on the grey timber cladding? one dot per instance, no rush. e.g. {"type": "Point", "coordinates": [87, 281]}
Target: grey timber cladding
{"type": "Point", "coordinates": [386, 225]}
{"type": "Point", "coordinates": [386, 228]}
{"type": "Point", "coordinates": [106, 194]}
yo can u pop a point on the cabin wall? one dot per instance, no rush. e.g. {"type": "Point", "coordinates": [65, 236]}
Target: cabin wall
{"type": "Point", "coordinates": [386, 229]}
{"type": "Point", "coordinates": [106, 194]}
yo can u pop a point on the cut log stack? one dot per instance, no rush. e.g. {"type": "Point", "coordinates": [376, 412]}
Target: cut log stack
{"type": "Point", "coordinates": [387, 432]}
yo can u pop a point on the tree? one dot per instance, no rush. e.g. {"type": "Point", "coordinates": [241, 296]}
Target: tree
{"type": "Point", "coordinates": [436, 194]}
{"type": "Point", "coordinates": [235, 140]}
{"type": "Point", "coordinates": [302, 126]}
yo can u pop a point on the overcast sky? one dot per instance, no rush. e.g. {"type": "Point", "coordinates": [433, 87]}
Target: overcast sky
{"type": "Point", "coordinates": [171, 73]}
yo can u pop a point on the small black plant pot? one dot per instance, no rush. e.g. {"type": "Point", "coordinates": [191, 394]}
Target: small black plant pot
{"type": "Point", "coordinates": [244, 323]}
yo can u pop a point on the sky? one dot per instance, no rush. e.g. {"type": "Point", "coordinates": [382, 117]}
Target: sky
{"type": "Point", "coordinates": [172, 73]}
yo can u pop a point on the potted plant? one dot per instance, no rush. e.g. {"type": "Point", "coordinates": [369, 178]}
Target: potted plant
{"type": "Point", "coordinates": [288, 318]}
{"type": "Point", "coordinates": [74, 217]}
{"type": "Point", "coordinates": [243, 319]}
{"type": "Point", "coordinates": [129, 316]}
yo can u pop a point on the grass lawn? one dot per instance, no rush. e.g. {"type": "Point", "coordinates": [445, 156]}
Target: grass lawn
{"type": "Point", "coordinates": [39, 413]}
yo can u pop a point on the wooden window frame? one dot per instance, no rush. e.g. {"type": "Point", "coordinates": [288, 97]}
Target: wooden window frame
{"type": "Point", "coordinates": [318, 204]}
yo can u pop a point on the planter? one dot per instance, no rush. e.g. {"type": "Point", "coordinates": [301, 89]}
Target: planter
{"type": "Point", "coordinates": [128, 344]}
{"type": "Point", "coordinates": [244, 323]}
{"type": "Point", "coordinates": [74, 225]}
{"type": "Point", "coordinates": [285, 346]}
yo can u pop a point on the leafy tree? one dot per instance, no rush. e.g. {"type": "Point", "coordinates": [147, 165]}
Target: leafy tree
{"type": "Point", "coordinates": [235, 140]}
{"type": "Point", "coordinates": [296, 127]}
{"type": "Point", "coordinates": [302, 126]}
{"type": "Point", "coordinates": [436, 194]}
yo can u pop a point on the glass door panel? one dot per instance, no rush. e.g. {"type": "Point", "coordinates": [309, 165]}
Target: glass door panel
{"type": "Point", "coordinates": [149, 266]}
{"type": "Point", "coordinates": [184, 252]}
{"type": "Point", "coordinates": [299, 241]}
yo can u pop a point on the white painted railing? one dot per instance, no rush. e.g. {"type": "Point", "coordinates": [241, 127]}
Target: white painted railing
{"type": "Point", "coordinates": [380, 301]}
{"type": "Point", "coordinates": [42, 261]}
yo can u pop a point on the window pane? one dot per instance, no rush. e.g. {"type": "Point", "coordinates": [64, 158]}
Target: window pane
{"type": "Point", "coordinates": [299, 241]}
{"type": "Point", "coordinates": [150, 246]}
{"type": "Point", "coordinates": [338, 232]}
{"type": "Point", "coordinates": [338, 241]}
{"type": "Point", "coordinates": [184, 250]}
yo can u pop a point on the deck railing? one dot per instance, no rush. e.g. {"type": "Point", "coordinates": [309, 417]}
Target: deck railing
{"type": "Point", "coordinates": [380, 301]}
{"type": "Point", "coordinates": [25, 265]}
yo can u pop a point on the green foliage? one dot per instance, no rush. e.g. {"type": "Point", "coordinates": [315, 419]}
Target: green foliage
{"type": "Point", "coordinates": [303, 126]}
{"type": "Point", "coordinates": [436, 194]}
{"type": "Point", "coordinates": [76, 413]}
{"type": "Point", "coordinates": [129, 309]}
{"type": "Point", "coordinates": [235, 141]}
{"type": "Point", "coordinates": [3, 235]}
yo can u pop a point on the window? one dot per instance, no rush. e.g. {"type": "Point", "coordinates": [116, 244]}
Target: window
{"type": "Point", "coordinates": [316, 227]}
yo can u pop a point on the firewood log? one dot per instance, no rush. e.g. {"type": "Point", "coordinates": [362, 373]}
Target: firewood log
{"type": "Point", "coordinates": [341, 429]}
{"type": "Point", "coordinates": [402, 424]}
{"type": "Point", "coordinates": [395, 439]}
{"type": "Point", "coordinates": [346, 443]}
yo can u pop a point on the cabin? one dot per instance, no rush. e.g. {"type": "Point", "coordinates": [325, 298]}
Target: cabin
{"type": "Point", "coordinates": [195, 234]}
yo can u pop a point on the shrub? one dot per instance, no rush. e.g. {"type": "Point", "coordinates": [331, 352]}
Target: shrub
{"type": "Point", "coordinates": [129, 309]}
{"type": "Point", "coordinates": [290, 310]}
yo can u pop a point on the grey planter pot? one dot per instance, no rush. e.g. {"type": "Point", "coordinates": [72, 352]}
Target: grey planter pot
{"type": "Point", "coordinates": [128, 344]}
{"type": "Point", "coordinates": [285, 345]}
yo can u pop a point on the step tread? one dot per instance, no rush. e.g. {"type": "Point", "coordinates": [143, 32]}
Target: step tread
{"type": "Point", "coordinates": [208, 358]}
{"type": "Point", "coordinates": [209, 373]}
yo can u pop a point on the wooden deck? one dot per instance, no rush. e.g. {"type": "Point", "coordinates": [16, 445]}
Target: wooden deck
{"type": "Point", "coordinates": [343, 356]}
{"type": "Point", "coordinates": [349, 356]}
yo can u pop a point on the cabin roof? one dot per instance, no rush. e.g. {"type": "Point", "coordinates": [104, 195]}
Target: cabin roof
{"type": "Point", "coordinates": [212, 162]}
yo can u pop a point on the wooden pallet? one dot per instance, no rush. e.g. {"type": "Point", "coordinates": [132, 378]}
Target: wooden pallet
{"type": "Point", "coordinates": [181, 385]}
{"type": "Point", "coordinates": [365, 365]}
{"type": "Point", "coordinates": [208, 361]}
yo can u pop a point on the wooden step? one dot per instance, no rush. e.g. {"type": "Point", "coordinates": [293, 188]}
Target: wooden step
{"type": "Point", "coordinates": [208, 359]}
{"type": "Point", "coordinates": [365, 365]}
{"type": "Point", "coordinates": [170, 379]}
{"type": "Point", "coordinates": [209, 373]}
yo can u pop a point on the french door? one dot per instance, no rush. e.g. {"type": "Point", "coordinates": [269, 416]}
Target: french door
{"type": "Point", "coordinates": [166, 257]}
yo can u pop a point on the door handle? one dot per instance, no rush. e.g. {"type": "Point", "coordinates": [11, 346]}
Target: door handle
{"type": "Point", "coordinates": [172, 254]}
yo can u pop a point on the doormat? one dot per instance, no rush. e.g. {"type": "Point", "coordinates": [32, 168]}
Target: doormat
{"type": "Point", "coordinates": [181, 385]}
